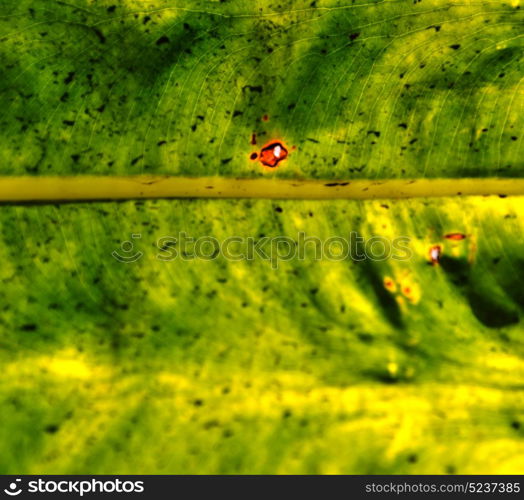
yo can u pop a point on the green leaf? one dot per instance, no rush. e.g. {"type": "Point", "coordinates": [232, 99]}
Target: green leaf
{"type": "Point", "coordinates": [173, 363]}
{"type": "Point", "coordinates": [122, 352]}
{"type": "Point", "coordinates": [361, 90]}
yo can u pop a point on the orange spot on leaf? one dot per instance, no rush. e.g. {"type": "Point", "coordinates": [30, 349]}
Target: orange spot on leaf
{"type": "Point", "coordinates": [455, 236]}
{"type": "Point", "coordinates": [389, 284]}
{"type": "Point", "coordinates": [272, 154]}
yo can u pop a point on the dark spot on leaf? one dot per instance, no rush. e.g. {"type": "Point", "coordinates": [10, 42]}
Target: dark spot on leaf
{"type": "Point", "coordinates": [162, 40]}
{"type": "Point", "coordinates": [100, 35]}
{"type": "Point", "coordinates": [70, 77]}
{"type": "Point", "coordinates": [253, 88]}
{"type": "Point", "coordinates": [29, 327]}
{"type": "Point", "coordinates": [364, 337]}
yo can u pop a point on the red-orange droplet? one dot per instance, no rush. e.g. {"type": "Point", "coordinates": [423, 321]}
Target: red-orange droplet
{"type": "Point", "coordinates": [434, 254]}
{"type": "Point", "coordinates": [265, 118]}
{"type": "Point", "coordinates": [272, 154]}
{"type": "Point", "coordinates": [455, 236]}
